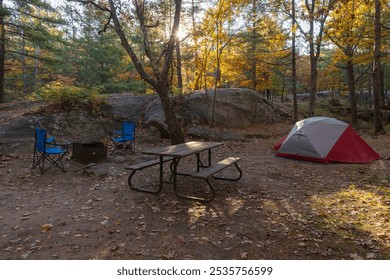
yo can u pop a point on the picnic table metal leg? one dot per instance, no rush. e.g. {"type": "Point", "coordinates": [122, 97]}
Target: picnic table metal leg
{"type": "Point", "coordinates": [212, 190]}
{"type": "Point", "coordinates": [161, 172]}
{"type": "Point", "coordinates": [230, 179]}
{"type": "Point", "coordinates": [143, 189]}
{"type": "Point", "coordinates": [199, 164]}
{"type": "Point", "coordinates": [175, 162]}
{"type": "Point", "coordinates": [171, 167]}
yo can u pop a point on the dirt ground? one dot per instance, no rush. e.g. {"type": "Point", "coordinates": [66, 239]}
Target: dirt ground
{"type": "Point", "coordinates": [280, 209]}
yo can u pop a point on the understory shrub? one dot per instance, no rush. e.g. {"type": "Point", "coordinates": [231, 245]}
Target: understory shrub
{"type": "Point", "coordinates": [69, 97]}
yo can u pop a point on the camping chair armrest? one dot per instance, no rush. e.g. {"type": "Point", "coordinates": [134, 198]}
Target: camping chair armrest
{"type": "Point", "coordinates": [51, 144]}
{"type": "Point", "coordinates": [129, 134]}
{"type": "Point", "coordinates": [51, 140]}
{"type": "Point", "coordinates": [117, 132]}
{"type": "Point", "coordinates": [64, 146]}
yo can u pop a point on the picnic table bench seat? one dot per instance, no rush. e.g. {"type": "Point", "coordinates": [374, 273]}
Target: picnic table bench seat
{"type": "Point", "coordinates": [208, 172]}
{"type": "Point", "coordinates": [140, 166]}
{"type": "Point", "coordinates": [212, 170]}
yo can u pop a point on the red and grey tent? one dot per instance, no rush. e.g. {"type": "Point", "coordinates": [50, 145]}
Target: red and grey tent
{"type": "Point", "coordinates": [325, 140]}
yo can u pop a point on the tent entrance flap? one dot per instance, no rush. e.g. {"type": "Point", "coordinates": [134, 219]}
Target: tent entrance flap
{"type": "Point", "coordinates": [299, 145]}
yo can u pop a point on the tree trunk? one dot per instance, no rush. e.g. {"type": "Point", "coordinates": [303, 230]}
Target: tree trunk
{"type": "Point", "coordinates": [369, 97]}
{"type": "Point", "coordinates": [217, 74]}
{"type": "Point", "coordinates": [178, 66]}
{"type": "Point", "coordinates": [318, 14]}
{"type": "Point", "coordinates": [196, 66]}
{"type": "Point", "coordinates": [159, 78]}
{"type": "Point", "coordinates": [293, 63]}
{"type": "Point", "coordinates": [352, 93]}
{"type": "Point", "coordinates": [2, 55]}
{"type": "Point", "coordinates": [174, 126]}
{"type": "Point", "coordinates": [253, 50]}
{"type": "Point", "coordinates": [24, 65]}
{"type": "Point", "coordinates": [313, 80]}
{"type": "Point", "coordinates": [377, 70]}
{"type": "Point", "coordinates": [36, 71]}
{"type": "Point", "coordinates": [313, 62]}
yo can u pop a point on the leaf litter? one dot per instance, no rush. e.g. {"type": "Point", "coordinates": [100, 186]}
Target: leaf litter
{"type": "Point", "coordinates": [280, 209]}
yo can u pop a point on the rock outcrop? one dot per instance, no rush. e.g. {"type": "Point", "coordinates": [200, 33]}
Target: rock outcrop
{"type": "Point", "coordinates": [234, 108]}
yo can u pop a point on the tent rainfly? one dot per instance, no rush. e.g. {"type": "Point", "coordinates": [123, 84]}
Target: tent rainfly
{"type": "Point", "coordinates": [326, 140]}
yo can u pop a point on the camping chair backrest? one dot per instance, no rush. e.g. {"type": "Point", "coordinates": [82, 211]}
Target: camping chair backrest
{"type": "Point", "coordinates": [40, 139]}
{"type": "Point", "coordinates": [128, 130]}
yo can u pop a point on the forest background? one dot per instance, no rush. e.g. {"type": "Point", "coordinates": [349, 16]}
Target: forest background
{"type": "Point", "coordinates": [283, 49]}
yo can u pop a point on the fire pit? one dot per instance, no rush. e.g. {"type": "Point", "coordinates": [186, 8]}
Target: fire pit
{"type": "Point", "coordinates": [92, 152]}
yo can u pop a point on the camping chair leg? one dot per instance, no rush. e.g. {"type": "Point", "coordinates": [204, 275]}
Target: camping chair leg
{"type": "Point", "coordinates": [116, 147]}
{"type": "Point", "coordinates": [54, 162]}
{"type": "Point", "coordinates": [36, 159]}
{"type": "Point", "coordinates": [42, 167]}
{"type": "Point", "coordinates": [130, 146]}
{"type": "Point", "coordinates": [35, 155]}
{"type": "Point", "coordinates": [123, 147]}
{"type": "Point", "coordinates": [57, 162]}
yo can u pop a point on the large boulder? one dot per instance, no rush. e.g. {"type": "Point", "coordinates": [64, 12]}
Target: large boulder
{"type": "Point", "coordinates": [18, 133]}
{"type": "Point", "coordinates": [128, 106]}
{"type": "Point", "coordinates": [153, 116]}
{"type": "Point", "coordinates": [233, 108]}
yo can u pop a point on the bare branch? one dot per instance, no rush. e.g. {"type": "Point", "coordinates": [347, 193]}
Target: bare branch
{"type": "Point", "coordinates": [99, 7]}
{"type": "Point", "coordinates": [93, 3]}
{"type": "Point", "coordinates": [128, 47]}
{"type": "Point", "coordinates": [140, 11]}
{"type": "Point", "coordinates": [13, 53]}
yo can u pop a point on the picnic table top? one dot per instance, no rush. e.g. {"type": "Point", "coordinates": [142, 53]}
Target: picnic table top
{"type": "Point", "coordinates": [183, 149]}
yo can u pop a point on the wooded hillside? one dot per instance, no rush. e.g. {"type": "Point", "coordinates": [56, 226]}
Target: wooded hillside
{"type": "Point", "coordinates": [279, 48]}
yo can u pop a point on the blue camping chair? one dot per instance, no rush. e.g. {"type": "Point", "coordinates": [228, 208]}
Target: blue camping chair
{"type": "Point", "coordinates": [124, 139]}
{"type": "Point", "coordinates": [45, 149]}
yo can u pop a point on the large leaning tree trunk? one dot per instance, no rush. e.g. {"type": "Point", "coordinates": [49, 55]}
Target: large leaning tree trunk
{"type": "Point", "coordinates": [158, 62]}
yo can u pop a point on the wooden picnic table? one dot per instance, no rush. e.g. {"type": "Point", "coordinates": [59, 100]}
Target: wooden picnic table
{"type": "Point", "coordinates": [186, 149]}
{"type": "Point", "coordinates": [175, 153]}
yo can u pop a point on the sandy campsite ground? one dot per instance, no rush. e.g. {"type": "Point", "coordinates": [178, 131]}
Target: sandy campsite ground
{"type": "Point", "coordinates": [280, 209]}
